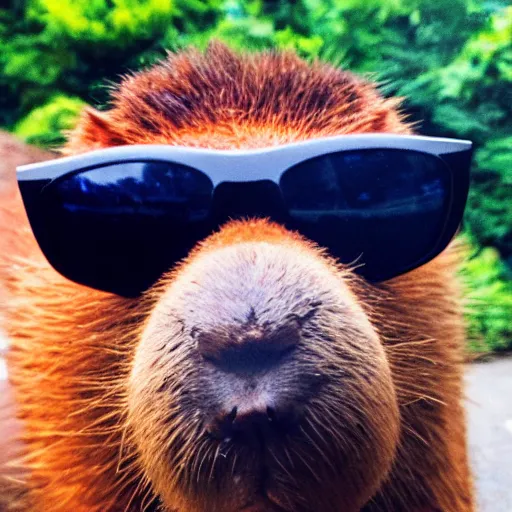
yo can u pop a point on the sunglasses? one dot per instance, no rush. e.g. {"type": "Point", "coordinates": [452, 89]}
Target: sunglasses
{"type": "Point", "coordinates": [116, 219]}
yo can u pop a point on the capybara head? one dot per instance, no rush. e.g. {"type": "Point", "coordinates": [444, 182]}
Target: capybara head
{"type": "Point", "coordinates": [259, 374]}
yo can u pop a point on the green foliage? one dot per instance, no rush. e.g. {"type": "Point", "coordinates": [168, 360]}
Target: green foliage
{"type": "Point", "coordinates": [100, 22]}
{"type": "Point", "coordinates": [489, 308]}
{"type": "Point", "coordinates": [451, 60]}
{"type": "Point", "coordinates": [44, 126]}
{"type": "Point", "coordinates": [489, 212]}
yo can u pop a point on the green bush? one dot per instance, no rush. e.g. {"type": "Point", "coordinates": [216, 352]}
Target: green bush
{"type": "Point", "coordinates": [489, 212]}
{"type": "Point", "coordinates": [44, 125]}
{"type": "Point", "coordinates": [451, 60]}
{"type": "Point", "coordinates": [489, 302]}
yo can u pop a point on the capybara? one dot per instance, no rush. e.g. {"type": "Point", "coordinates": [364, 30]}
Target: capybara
{"type": "Point", "coordinates": [123, 401]}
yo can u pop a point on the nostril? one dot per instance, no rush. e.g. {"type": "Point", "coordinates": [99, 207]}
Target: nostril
{"type": "Point", "coordinates": [230, 418]}
{"type": "Point", "coordinates": [248, 422]}
{"type": "Point", "coordinates": [251, 421]}
{"type": "Point", "coordinates": [222, 425]}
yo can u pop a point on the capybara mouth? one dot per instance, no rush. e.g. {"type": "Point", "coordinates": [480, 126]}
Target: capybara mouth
{"type": "Point", "coordinates": [263, 503]}
{"type": "Point", "coordinates": [263, 497]}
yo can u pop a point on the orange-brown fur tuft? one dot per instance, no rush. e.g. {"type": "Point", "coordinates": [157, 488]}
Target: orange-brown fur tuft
{"type": "Point", "coordinates": [91, 444]}
{"type": "Point", "coordinates": [203, 100]}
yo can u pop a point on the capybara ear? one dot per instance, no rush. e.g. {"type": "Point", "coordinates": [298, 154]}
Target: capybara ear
{"type": "Point", "coordinates": [94, 130]}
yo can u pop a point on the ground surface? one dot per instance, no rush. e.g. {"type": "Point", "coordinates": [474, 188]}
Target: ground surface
{"type": "Point", "coordinates": [489, 405]}
{"type": "Point", "coordinates": [489, 390]}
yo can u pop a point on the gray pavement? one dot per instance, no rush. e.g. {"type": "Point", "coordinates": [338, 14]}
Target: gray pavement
{"type": "Point", "coordinates": [489, 406]}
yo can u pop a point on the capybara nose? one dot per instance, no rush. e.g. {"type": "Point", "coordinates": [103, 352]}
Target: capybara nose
{"type": "Point", "coordinates": [247, 350]}
{"type": "Point", "coordinates": [249, 364]}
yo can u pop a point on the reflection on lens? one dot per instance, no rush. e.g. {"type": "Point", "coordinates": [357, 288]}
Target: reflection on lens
{"type": "Point", "coordinates": [135, 219]}
{"type": "Point", "coordinates": [386, 208]}
{"type": "Point", "coordinates": [139, 188]}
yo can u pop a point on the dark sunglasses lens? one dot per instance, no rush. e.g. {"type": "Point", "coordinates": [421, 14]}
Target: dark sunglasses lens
{"type": "Point", "coordinates": [383, 209]}
{"type": "Point", "coordinates": [119, 227]}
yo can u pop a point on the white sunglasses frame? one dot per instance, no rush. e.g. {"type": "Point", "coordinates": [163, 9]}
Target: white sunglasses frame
{"type": "Point", "coordinates": [236, 165]}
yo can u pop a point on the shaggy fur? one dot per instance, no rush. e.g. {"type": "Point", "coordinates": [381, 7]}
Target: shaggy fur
{"type": "Point", "coordinates": [113, 395]}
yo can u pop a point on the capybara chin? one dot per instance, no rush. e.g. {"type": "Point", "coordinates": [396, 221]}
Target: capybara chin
{"type": "Point", "coordinates": [257, 375]}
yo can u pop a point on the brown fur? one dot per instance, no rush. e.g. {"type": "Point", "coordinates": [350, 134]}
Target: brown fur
{"type": "Point", "coordinates": [105, 424]}
{"type": "Point", "coordinates": [12, 153]}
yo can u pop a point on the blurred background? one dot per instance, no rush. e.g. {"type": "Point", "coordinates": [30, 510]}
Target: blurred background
{"type": "Point", "coordinates": [451, 60]}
